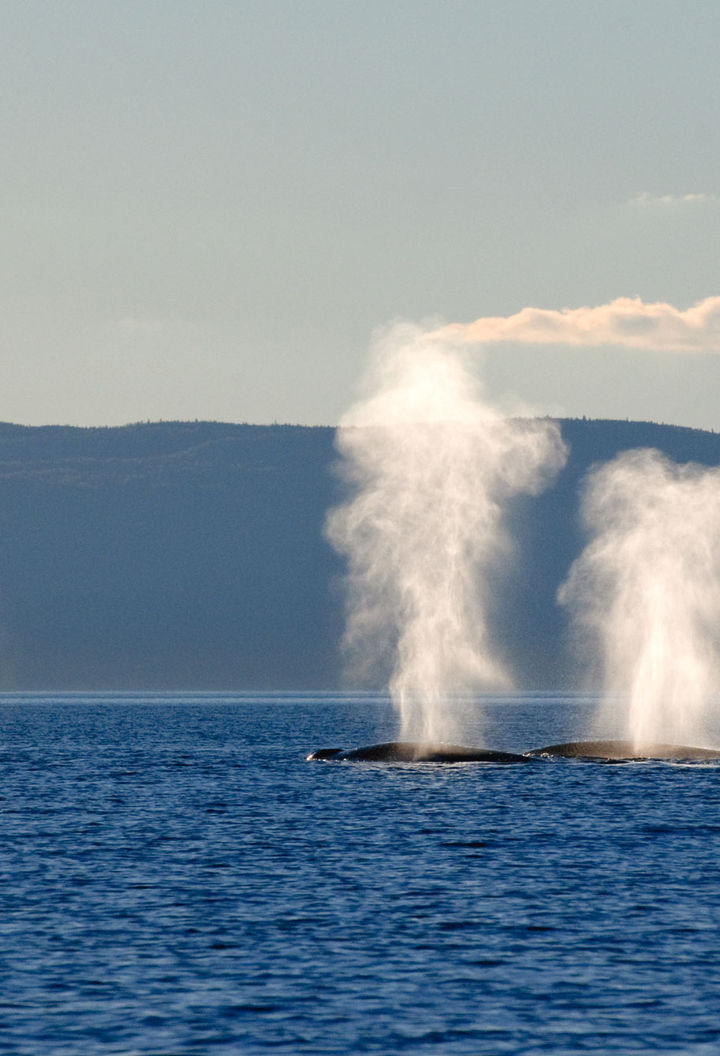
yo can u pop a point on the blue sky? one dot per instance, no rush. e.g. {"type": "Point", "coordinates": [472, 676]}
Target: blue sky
{"type": "Point", "coordinates": [208, 208]}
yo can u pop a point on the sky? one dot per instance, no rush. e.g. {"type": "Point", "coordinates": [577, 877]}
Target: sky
{"type": "Point", "coordinates": [208, 208]}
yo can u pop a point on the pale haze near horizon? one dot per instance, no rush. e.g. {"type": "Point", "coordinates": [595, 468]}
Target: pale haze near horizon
{"type": "Point", "coordinates": [208, 208]}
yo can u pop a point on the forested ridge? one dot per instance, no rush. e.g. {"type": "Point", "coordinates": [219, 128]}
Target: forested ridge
{"type": "Point", "coordinates": [175, 555]}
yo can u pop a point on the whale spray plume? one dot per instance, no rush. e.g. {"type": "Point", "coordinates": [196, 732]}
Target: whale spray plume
{"type": "Point", "coordinates": [645, 595]}
{"type": "Point", "coordinates": [430, 465]}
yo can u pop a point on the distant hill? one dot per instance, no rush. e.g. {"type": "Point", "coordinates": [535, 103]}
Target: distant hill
{"type": "Point", "coordinates": [191, 555]}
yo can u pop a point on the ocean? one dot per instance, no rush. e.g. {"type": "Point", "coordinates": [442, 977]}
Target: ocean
{"type": "Point", "coordinates": [176, 879]}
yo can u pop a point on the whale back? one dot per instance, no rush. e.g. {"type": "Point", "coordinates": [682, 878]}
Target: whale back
{"type": "Point", "coordinates": [625, 751]}
{"type": "Point", "coordinates": [417, 752]}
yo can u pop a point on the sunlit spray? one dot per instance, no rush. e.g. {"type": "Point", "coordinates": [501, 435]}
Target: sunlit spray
{"type": "Point", "coordinates": [645, 594]}
{"type": "Point", "coordinates": [430, 465]}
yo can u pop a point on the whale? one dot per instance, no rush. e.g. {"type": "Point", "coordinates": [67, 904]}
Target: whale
{"type": "Point", "coordinates": [611, 751]}
{"type": "Point", "coordinates": [415, 752]}
{"type": "Point", "coordinates": [625, 752]}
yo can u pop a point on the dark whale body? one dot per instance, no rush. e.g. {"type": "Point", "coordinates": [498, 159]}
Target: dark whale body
{"type": "Point", "coordinates": [416, 752]}
{"type": "Point", "coordinates": [625, 752]}
{"type": "Point", "coordinates": [594, 751]}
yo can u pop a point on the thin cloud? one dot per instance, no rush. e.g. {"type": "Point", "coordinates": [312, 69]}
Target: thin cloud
{"type": "Point", "coordinates": [626, 321]}
{"type": "Point", "coordinates": [647, 200]}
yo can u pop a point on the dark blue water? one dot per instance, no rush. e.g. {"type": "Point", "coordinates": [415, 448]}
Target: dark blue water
{"type": "Point", "coordinates": [175, 878]}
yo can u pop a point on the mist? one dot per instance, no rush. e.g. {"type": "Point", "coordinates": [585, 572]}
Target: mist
{"type": "Point", "coordinates": [430, 466]}
{"type": "Point", "coordinates": [645, 596]}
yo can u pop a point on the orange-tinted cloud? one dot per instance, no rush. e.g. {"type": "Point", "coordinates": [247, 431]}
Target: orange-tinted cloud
{"type": "Point", "coordinates": [626, 321]}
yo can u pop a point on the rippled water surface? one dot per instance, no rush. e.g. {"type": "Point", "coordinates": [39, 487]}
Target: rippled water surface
{"type": "Point", "coordinates": [175, 878]}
